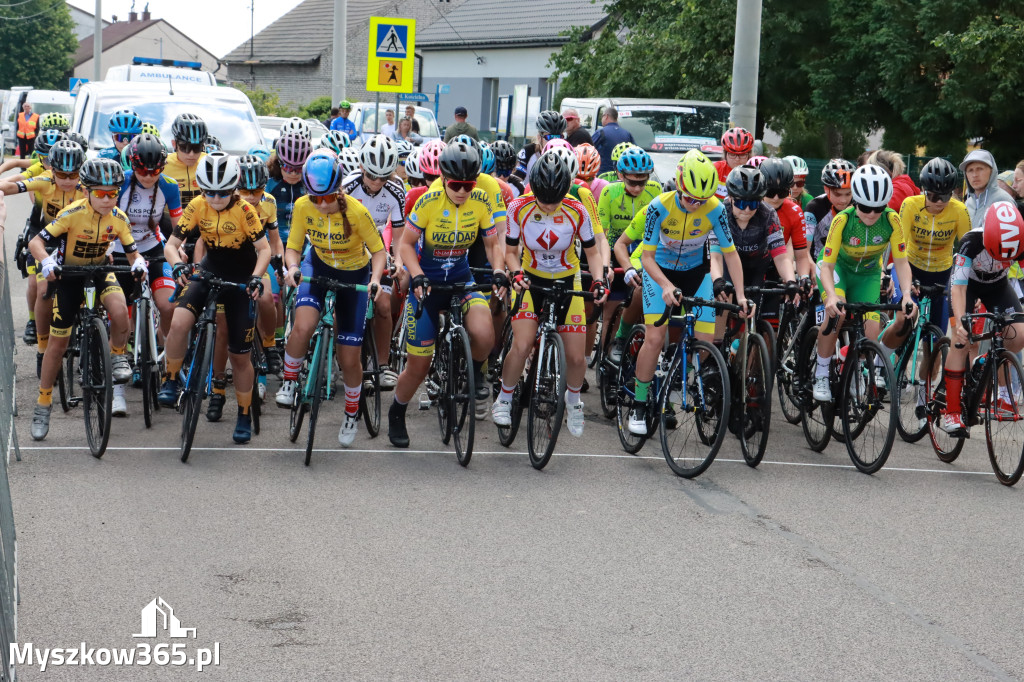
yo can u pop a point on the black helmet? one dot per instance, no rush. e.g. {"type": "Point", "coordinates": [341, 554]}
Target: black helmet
{"type": "Point", "coordinates": [504, 155]}
{"type": "Point", "coordinates": [47, 139]}
{"type": "Point", "coordinates": [837, 174]}
{"type": "Point", "coordinates": [254, 172]}
{"type": "Point", "coordinates": [99, 172]}
{"type": "Point", "coordinates": [81, 139]}
{"type": "Point", "coordinates": [189, 129]}
{"type": "Point", "coordinates": [746, 184]}
{"type": "Point", "coordinates": [460, 161]}
{"type": "Point", "coordinates": [939, 176]}
{"type": "Point", "coordinates": [550, 178]}
{"type": "Point", "coordinates": [147, 151]}
{"type": "Point", "coordinates": [778, 176]}
{"type": "Point", "coordinates": [212, 144]}
{"type": "Point", "coordinates": [550, 123]}
{"type": "Point", "coordinates": [66, 157]}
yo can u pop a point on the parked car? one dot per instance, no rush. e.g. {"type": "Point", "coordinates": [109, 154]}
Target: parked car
{"type": "Point", "coordinates": [364, 116]}
{"type": "Point", "coordinates": [271, 127]}
{"type": "Point", "coordinates": [42, 101]}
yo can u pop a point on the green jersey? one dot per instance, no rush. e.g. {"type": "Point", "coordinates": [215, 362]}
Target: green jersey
{"type": "Point", "coordinates": [617, 208]}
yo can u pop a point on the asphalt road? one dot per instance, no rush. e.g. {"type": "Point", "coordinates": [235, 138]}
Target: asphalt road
{"type": "Point", "coordinates": [383, 563]}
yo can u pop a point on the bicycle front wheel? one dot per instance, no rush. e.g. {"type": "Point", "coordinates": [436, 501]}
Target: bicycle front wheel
{"type": "Point", "coordinates": [507, 434]}
{"type": "Point", "coordinates": [147, 360]}
{"type": "Point", "coordinates": [869, 427]}
{"type": "Point", "coordinates": [97, 386]}
{"type": "Point", "coordinates": [318, 375]}
{"type": "Point", "coordinates": [786, 370]}
{"type": "Point", "coordinates": [1004, 419]}
{"type": "Point", "coordinates": [547, 400]}
{"type": "Point", "coordinates": [756, 401]}
{"type": "Point", "coordinates": [912, 379]}
{"type": "Point", "coordinates": [195, 387]}
{"type": "Point", "coordinates": [369, 398]}
{"type": "Point", "coordinates": [626, 386]}
{"type": "Point", "coordinates": [816, 418]}
{"type": "Point", "coordinates": [947, 448]}
{"type": "Point", "coordinates": [462, 391]}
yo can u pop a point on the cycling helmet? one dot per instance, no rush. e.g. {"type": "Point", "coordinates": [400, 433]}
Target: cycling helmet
{"type": "Point", "coordinates": [322, 173]}
{"type": "Point", "coordinates": [125, 121]}
{"type": "Point", "coordinates": [350, 161]}
{"type": "Point", "coordinates": [188, 129]}
{"type": "Point", "coordinates": [778, 176]}
{"type": "Point", "coordinates": [412, 166]}
{"type": "Point", "coordinates": [590, 161]}
{"type": "Point", "coordinates": [79, 138]}
{"type": "Point", "coordinates": [466, 139]}
{"type": "Point", "coordinates": [486, 161]}
{"type": "Point", "coordinates": [146, 151]}
{"type": "Point", "coordinates": [126, 157]}
{"type": "Point", "coordinates": [100, 173]}
{"type": "Point", "coordinates": [618, 149]}
{"type": "Point", "coordinates": [872, 186]}
{"type": "Point", "coordinates": [837, 174]}
{"type": "Point", "coordinates": [737, 141]}
{"type": "Point", "coordinates": [430, 155]}
{"type": "Point", "coordinates": [799, 166]}
{"type": "Point", "coordinates": [635, 161]}
{"type": "Point", "coordinates": [404, 148]}
{"type": "Point", "coordinates": [47, 139]}
{"type": "Point", "coordinates": [504, 155]}
{"type": "Point", "coordinates": [550, 177]}
{"type": "Point", "coordinates": [151, 129]}
{"type": "Point", "coordinates": [557, 143]}
{"type": "Point", "coordinates": [550, 123]}
{"type": "Point", "coordinates": [293, 149]}
{"type": "Point", "coordinates": [938, 175]}
{"type": "Point", "coordinates": [66, 157]}
{"type": "Point", "coordinates": [54, 119]}
{"type": "Point", "coordinates": [569, 157]}
{"type": "Point", "coordinates": [296, 125]}
{"type": "Point", "coordinates": [262, 152]}
{"type": "Point", "coordinates": [696, 175]}
{"type": "Point", "coordinates": [460, 161]}
{"type": "Point", "coordinates": [212, 144]}
{"type": "Point", "coordinates": [755, 161]}
{"type": "Point", "coordinates": [335, 140]}
{"type": "Point", "coordinates": [746, 184]}
{"type": "Point", "coordinates": [253, 173]}
{"type": "Point", "coordinates": [379, 156]}
{"type": "Point", "coordinates": [669, 185]}
{"type": "Point", "coordinates": [218, 172]}
{"type": "Point", "coordinates": [1004, 231]}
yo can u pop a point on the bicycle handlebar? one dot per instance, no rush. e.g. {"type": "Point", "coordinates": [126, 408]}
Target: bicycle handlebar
{"type": "Point", "coordinates": [1000, 320]}
{"type": "Point", "coordinates": [450, 289]}
{"type": "Point", "coordinates": [77, 271]}
{"type": "Point", "coordinates": [695, 303]}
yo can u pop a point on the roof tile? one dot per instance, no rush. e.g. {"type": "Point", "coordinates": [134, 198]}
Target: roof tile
{"type": "Point", "coordinates": [486, 22]}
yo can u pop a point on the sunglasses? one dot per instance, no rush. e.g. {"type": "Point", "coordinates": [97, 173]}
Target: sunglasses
{"type": "Point", "coordinates": [324, 198]}
{"type": "Point", "coordinates": [634, 183]}
{"type": "Point", "coordinates": [870, 209]}
{"type": "Point", "coordinates": [461, 185]}
{"type": "Point", "coordinates": [146, 172]}
{"type": "Point", "coordinates": [218, 194]}
{"type": "Point", "coordinates": [65, 176]}
{"type": "Point", "coordinates": [378, 178]}
{"type": "Point", "coordinates": [188, 147]}
{"type": "Point", "coordinates": [553, 137]}
{"type": "Point", "coordinates": [746, 205]}
{"type": "Point", "coordinates": [777, 194]}
{"type": "Point", "coordinates": [288, 168]}
{"type": "Point", "coordinates": [103, 193]}
{"type": "Point", "coordinates": [253, 192]}
{"type": "Point", "coordinates": [124, 137]}
{"type": "Point", "coordinates": [936, 197]}
{"type": "Point", "coordinates": [799, 183]}
{"type": "Point", "coordinates": [686, 198]}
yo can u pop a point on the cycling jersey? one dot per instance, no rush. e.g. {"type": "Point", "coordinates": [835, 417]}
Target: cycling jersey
{"type": "Point", "coordinates": [549, 240]}
{"type": "Point", "coordinates": [495, 199]}
{"type": "Point", "coordinates": [449, 230]}
{"type": "Point", "coordinates": [84, 236]}
{"type": "Point", "coordinates": [973, 262]}
{"type": "Point", "coordinates": [109, 153]}
{"type": "Point", "coordinates": [857, 247]}
{"type": "Point", "coordinates": [387, 204]}
{"type": "Point", "coordinates": [794, 226]}
{"type": "Point", "coordinates": [816, 211]}
{"type": "Point", "coordinates": [145, 208]}
{"type": "Point", "coordinates": [35, 170]}
{"type": "Point", "coordinates": [327, 233]}
{"type": "Point", "coordinates": [229, 236]}
{"type": "Point", "coordinates": [583, 195]}
{"type": "Point", "coordinates": [185, 176]}
{"type": "Point", "coordinates": [50, 198]}
{"type": "Point", "coordinates": [525, 160]}
{"type": "Point", "coordinates": [757, 244]}
{"type": "Point", "coordinates": [617, 207]}
{"type": "Point", "coordinates": [930, 237]}
{"type": "Point", "coordinates": [678, 237]}
{"type": "Point", "coordinates": [412, 197]}
{"type": "Point", "coordinates": [267, 211]}
{"type": "Point", "coordinates": [722, 166]}
{"type": "Point", "coordinates": [285, 195]}
{"type": "Point", "coordinates": [596, 186]}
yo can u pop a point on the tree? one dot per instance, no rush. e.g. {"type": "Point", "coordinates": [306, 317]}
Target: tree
{"type": "Point", "coordinates": [320, 108]}
{"type": "Point", "coordinates": [267, 102]}
{"type": "Point", "coordinates": [38, 41]}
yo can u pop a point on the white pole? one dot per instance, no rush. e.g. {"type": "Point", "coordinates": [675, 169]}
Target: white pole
{"type": "Point", "coordinates": [338, 65]}
{"type": "Point", "coordinates": [97, 41]}
{"type": "Point", "coordinates": [746, 56]}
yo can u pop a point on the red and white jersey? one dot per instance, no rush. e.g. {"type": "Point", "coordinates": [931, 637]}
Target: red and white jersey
{"type": "Point", "coordinates": [549, 239]}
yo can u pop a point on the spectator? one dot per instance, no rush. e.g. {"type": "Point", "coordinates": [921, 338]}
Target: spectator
{"type": "Point", "coordinates": [460, 127]}
{"type": "Point", "coordinates": [388, 129]}
{"type": "Point", "coordinates": [342, 123]}
{"type": "Point", "coordinates": [28, 128]}
{"type": "Point", "coordinates": [574, 134]}
{"type": "Point", "coordinates": [1006, 183]}
{"type": "Point", "coordinates": [404, 132]}
{"type": "Point", "coordinates": [610, 134]}
{"type": "Point", "coordinates": [983, 190]}
{"type": "Point", "coordinates": [902, 184]}
{"type": "Point", "coordinates": [330, 119]}
{"type": "Point", "coordinates": [1018, 179]}
{"type": "Point", "coordinates": [410, 113]}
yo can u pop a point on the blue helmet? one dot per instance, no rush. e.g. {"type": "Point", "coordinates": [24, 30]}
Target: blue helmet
{"type": "Point", "coordinates": [262, 152]}
{"type": "Point", "coordinates": [466, 139]}
{"type": "Point", "coordinates": [125, 121]}
{"type": "Point", "coordinates": [47, 139]}
{"type": "Point", "coordinates": [636, 161]}
{"type": "Point", "coordinates": [322, 173]}
{"type": "Point", "coordinates": [487, 161]}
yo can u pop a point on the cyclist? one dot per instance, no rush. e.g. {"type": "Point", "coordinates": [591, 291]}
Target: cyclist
{"type": "Point", "coordinates": [504, 164]}
{"type": "Point", "coordinates": [980, 270]}
{"type": "Point", "coordinates": [800, 172]}
{"type": "Point", "coordinates": [427, 163]}
{"type": "Point", "coordinates": [778, 177]}
{"type": "Point", "coordinates": [550, 126]}
{"type": "Point", "coordinates": [239, 255]}
{"type": "Point", "coordinates": [617, 151]}
{"type": "Point", "coordinates": [341, 231]}
{"type": "Point", "coordinates": [82, 233]}
{"type": "Point", "coordinates": [413, 174]}
{"type": "Point", "coordinates": [124, 125]}
{"type": "Point", "coordinates": [188, 133]}
{"type": "Point", "coordinates": [675, 244]}
{"type": "Point", "coordinates": [737, 144]}
{"type": "Point", "coordinates": [285, 184]}
{"type": "Point", "coordinates": [548, 222]}
{"type": "Point", "coordinates": [590, 163]}
{"type": "Point", "coordinates": [404, 149]}
{"type": "Point", "coordinates": [849, 268]}
{"type": "Point", "coordinates": [335, 140]}
{"type": "Point", "coordinates": [447, 218]}
{"type": "Point", "coordinates": [836, 177]}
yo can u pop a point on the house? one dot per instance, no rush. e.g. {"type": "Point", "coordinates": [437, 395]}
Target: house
{"type": "Point", "coordinates": [85, 23]}
{"type": "Point", "coordinates": [141, 36]}
{"type": "Point", "coordinates": [483, 48]}
{"type": "Point", "coordinates": [294, 55]}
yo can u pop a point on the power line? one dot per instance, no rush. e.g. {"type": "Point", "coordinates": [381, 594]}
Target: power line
{"type": "Point", "coordinates": [455, 30]}
{"type": "Point", "coordinates": [15, 4]}
{"type": "Point", "coordinates": [30, 16]}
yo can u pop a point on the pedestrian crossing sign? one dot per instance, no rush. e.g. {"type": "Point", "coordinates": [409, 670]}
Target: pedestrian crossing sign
{"type": "Point", "coordinates": [389, 58]}
{"type": "Point", "coordinates": [392, 44]}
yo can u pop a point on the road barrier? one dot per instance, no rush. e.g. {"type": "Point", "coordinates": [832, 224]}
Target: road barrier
{"type": "Point", "coordinates": [8, 442]}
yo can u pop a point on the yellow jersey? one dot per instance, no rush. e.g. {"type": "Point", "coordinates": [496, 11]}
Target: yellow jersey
{"type": "Point", "coordinates": [327, 233]}
{"type": "Point", "coordinates": [229, 236]}
{"type": "Point", "coordinates": [84, 236]}
{"type": "Point", "coordinates": [930, 238]}
{"type": "Point", "coordinates": [50, 198]}
{"type": "Point", "coordinates": [448, 230]}
{"type": "Point", "coordinates": [185, 176]}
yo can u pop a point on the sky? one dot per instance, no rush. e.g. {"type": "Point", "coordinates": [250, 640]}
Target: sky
{"type": "Point", "coordinates": [218, 25]}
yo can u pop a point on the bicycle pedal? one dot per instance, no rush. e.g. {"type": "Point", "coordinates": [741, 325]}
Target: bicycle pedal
{"type": "Point", "coordinates": [425, 402]}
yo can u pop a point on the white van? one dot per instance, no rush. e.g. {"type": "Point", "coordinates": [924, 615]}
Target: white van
{"type": "Point", "coordinates": [42, 101]}
{"type": "Point", "coordinates": [148, 70]}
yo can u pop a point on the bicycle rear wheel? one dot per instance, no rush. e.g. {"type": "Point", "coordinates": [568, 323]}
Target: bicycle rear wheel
{"type": "Point", "coordinates": [369, 397]}
{"type": "Point", "coordinates": [947, 448]}
{"type": "Point", "coordinates": [259, 368]}
{"type": "Point", "coordinates": [146, 361]}
{"type": "Point", "coordinates": [606, 371]}
{"type": "Point", "coordinates": [816, 418]}
{"type": "Point", "coordinates": [462, 389]}
{"type": "Point", "coordinates": [399, 352]}
{"type": "Point", "coordinates": [911, 384]}
{"type": "Point", "coordinates": [97, 386]}
{"type": "Point", "coordinates": [547, 400]}
{"type": "Point", "coordinates": [786, 371]}
{"type": "Point", "coordinates": [625, 399]}
{"type": "Point", "coordinates": [72, 370]}
{"type": "Point", "coordinates": [62, 389]}
{"type": "Point", "coordinates": [195, 387]}
{"type": "Point", "coordinates": [1004, 419]}
{"type": "Point", "coordinates": [869, 427]}
{"type": "Point", "coordinates": [756, 401]}
{"type": "Point", "coordinates": [318, 375]}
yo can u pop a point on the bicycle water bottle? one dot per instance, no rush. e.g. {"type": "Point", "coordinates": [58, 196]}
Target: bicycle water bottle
{"type": "Point", "coordinates": [977, 367]}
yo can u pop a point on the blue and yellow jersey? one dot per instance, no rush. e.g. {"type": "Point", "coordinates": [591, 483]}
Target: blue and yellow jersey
{"type": "Point", "coordinates": [497, 200]}
{"type": "Point", "coordinates": [679, 238]}
{"type": "Point", "coordinates": [447, 231]}
{"type": "Point", "coordinates": [858, 247]}
{"type": "Point", "coordinates": [327, 234]}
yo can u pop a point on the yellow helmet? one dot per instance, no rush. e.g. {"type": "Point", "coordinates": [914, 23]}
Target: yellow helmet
{"type": "Point", "coordinates": [148, 127]}
{"type": "Point", "coordinates": [696, 175]}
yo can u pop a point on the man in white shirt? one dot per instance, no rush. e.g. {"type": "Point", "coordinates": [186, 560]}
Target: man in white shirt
{"type": "Point", "coordinates": [389, 127]}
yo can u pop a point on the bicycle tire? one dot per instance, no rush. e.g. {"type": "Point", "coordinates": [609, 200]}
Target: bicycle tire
{"type": "Point", "coordinates": [756, 401]}
{"type": "Point", "coordinates": [946, 447]}
{"type": "Point", "coordinates": [507, 434]}
{"type": "Point", "coordinates": [143, 317]}
{"type": "Point", "coordinates": [767, 332]}
{"type": "Point", "coordinates": [318, 375]}
{"type": "Point", "coordinates": [907, 387]}
{"type": "Point", "coordinates": [439, 370]}
{"type": "Point", "coordinates": [606, 371]}
{"type": "Point", "coordinates": [462, 395]}
{"type": "Point", "coordinates": [861, 402]}
{"type": "Point", "coordinates": [259, 367]}
{"type": "Point", "coordinates": [70, 377]}
{"type": "Point", "coordinates": [98, 387]}
{"type": "Point", "coordinates": [297, 412]}
{"type": "Point", "coordinates": [597, 350]}
{"type": "Point", "coordinates": [786, 370]}
{"type": "Point", "coordinates": [399, 351]}
{"type": "Point", "coordinates": [1007, 459]}
{"type": "Point", "coordinates": [816, 418]}
{"type": "Point", "coordinates": [547, 401]}
{"type": "Point", "coordinates": [369, 396]}
{"type": "Point", "coordinates": [195, 390]}
{"type": "Point", "coordinates": [707, 393]}
{"type": "Point", "coordinates": [631, 442]}
{"type": "Point", "coordinates": [62, 389]}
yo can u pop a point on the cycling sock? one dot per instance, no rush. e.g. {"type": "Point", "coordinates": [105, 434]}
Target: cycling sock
{"type": "Point", "coordinates": [399, 405]}
{"type": "Point", "coordinates": [954, 386]}
{"type": "Point", "coordinates": [279, 333]}
{"type": "Point", "coordinates": [641, 390]}
{"type": "Point", "coordinates": [45, 396]}
{"type": "Point", "coordinates": [173, 367]}
{"type": "Point", "coordinates": [269, 341]}
{"type": "Point", "coordinates": [478, 368]}
{"type": "Point", "coordinates": [220, 386]}
{"type": "Point", "coordinates": [114, 350]}
{"type": "Point", "coordinates": [42, 342]}
{"type": "Point", "coordinates": [291, 367]}
{"type": "Point", "coordinates": [506, 392]}
{"type": "Point", "coordinates": [572, 395]}
{"type": "Point", "coordinates": [623, 330]}
{"type": "Point", "coordinates": [31, 316]}
{"type": "Point", "coordinates": [352, 398]}
{"type": "Point", "coordinates": [822, 368]}
{"type": "Point", "coordinates": [244, 399]}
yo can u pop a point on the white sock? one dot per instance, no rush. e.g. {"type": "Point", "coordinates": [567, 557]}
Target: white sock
{"type": "Point", "coordinates": [572, 395]}
{"type": "Point", "coordinates": [821, 370]}
{"type": "Point", "coordinates": [506, 393]}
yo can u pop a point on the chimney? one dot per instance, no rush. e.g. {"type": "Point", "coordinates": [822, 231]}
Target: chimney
{"type": "Point", "coordinates": [133, 16]}
{"type": "Point", "coordinates": [146, 15]}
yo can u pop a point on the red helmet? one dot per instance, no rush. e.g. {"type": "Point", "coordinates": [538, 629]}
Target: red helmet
{"type": "Point", "coordinates": [738, 141]}
{"type": "Point", "coordinates": [1004, 231]}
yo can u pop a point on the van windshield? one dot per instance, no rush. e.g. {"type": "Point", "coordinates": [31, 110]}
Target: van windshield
{"type": "Point", "coordinates": [428, 126]}
{"type": "Point", "coordinates": [672, 128]}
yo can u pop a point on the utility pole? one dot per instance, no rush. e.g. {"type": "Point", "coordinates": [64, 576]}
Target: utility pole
{"type": "Point", "coordinates": [745, 61]}
{"type": "Point", "coordinates": [338, 65]}
{"type": "Point", "coordinates": [252, 38]}
{"type": "Point", "coordinates": [97, 41]}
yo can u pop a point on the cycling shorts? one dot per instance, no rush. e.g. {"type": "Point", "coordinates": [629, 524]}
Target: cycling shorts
{"type": "Point", "coordinates": [159, 278]}
{"type": "Point", "coordinates": [997, 297]}
{"type": "Point", "coordinates": [855, 287]}
{"type": "Point", "coordinates": [239, 310]}
{"type": "Point", "coordinates": [940, 307]}
{"type": "Point", "coordinates": [570, 310]}
{"type": "Point", "coordinates": [69, 296]}
{"type": "Point", "coordinates": [423, 332]}
{"type": "Point", "coordinates": [694, 283]}
{"type": "Point", "coordinates": [349, 304]}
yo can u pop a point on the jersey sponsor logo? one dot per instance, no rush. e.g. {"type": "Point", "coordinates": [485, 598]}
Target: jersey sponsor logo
{"type": "Point", "coordinates": [547, 239]}
{"type": "Point", "coordinates": [854, 241]}
{"type": "Point", "coordinates": [577, 319]}
{"type": "Point", "coordinates": [536, 217]}
{"type": "Point", "coordinates": [559, 219]}
{"type": "Point", "coordinates": [828, 251]}
{"type": "Point", "coordinates": [228, 228]}
{"type": "Point", "coordinates": [446, 213]}
{"type": "Point", "coordinates": [877, 239]}
{"type": "Point", "coordinates": [694, 233]}
{"type": "Point", "coordinates": [960, 261]}
{"type": "Point", "coordinates": [696, 223]}
{"type": "Point", "coordinates": [902, 247]}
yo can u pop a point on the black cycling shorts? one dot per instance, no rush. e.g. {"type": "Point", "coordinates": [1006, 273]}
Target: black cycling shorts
{"type": "Point", "coordinates": [238, 309]}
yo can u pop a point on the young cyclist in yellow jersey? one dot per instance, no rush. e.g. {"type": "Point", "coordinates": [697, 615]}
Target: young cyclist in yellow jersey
{"type": "Point", "coordinates": [84, 230]}
{"type": "Point", "coordinates": [188, 139]}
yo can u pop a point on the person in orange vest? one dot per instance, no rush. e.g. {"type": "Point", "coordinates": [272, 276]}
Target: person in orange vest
{"type": "Point", "coordinates": [28, 126]}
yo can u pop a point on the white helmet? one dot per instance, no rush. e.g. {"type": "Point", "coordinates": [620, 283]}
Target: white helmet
{"type": "Point", "coordinates": [349, 160]}
{"type": "Point", "coordinates": [567, 155]}
{"type": "Point", "coordinates": [218, 172]}
{"type": "Point", "coordinates": [404, 148]}
{"type": "Point", "coordinates": [871, 186]}
{"type": "Point", "coordinates": [379, 156]}
{"type": "Point", "coordinates": [412, 165]}
{"type": "Point", "coordinates": [297, 125]}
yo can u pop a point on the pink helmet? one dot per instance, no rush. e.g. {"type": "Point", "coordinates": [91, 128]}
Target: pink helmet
{"type": "Point", "coordinates": [293, 149]}
{"type": "Point", "coordinates": [557, 143]}
{"type": "Point", "coordinates": [430, 153]}
{"type": "Point", "coordinates": [755, 161]}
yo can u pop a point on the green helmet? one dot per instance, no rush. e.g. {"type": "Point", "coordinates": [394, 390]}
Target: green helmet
{"type": "Point", "coordinates": [54, 119]}
{"type": "Point", "coordinates": [148, 127]}
{"type": "Point", "coordinates": [798, 164]}
{"type": "Point", "coordinates": [619, 148]}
